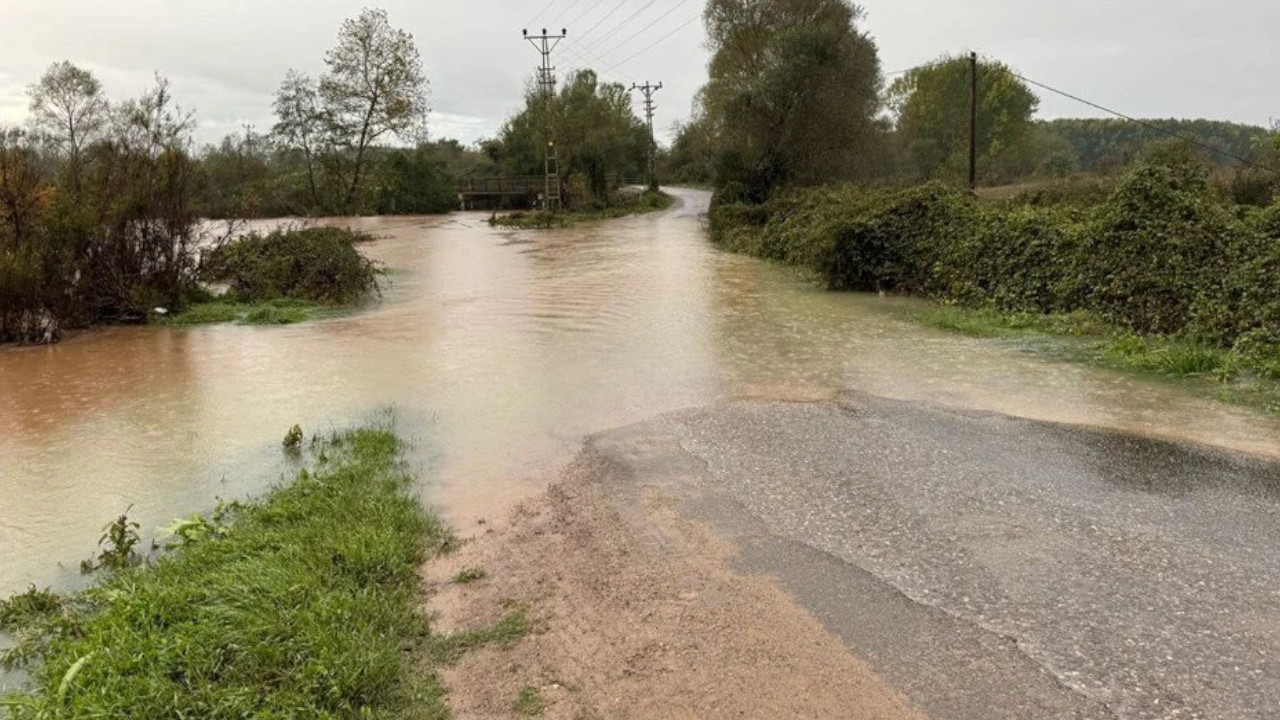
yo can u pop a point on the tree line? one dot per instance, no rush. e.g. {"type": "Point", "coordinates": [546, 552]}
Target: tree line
{"type": "Point", "coordinates": [796, 96]}
{"type": "Point", "coordinates": [101, 199]}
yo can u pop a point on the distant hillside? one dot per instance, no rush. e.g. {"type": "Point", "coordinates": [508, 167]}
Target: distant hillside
{"type": "Point", "coordinates": [1103, 143]}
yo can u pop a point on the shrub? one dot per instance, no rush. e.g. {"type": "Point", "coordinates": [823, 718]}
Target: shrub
{"type": "Point", "coordinates": [314, 264]}
{"type": "Point", "coordinates": [1157, 244]}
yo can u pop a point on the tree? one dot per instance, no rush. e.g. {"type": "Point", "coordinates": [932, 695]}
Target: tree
{"type": "Point", "coordinates": [68, 107]}
{"type": "Point", "coordinates": [932, 108]}
{"type": "Point", "coordinates": [375, 86]}
{"type": "Point", "coordinates": [301, 123]}
{"type": "Point", "coordinates": [598, 136]}
{"type": "Point", "coordinates": [793, 92]}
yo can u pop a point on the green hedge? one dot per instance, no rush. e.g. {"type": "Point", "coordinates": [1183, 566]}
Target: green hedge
{"type": "Point", "coordinates": [1162, 254]}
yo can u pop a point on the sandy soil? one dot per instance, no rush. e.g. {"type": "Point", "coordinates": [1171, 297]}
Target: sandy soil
{"type": "Point", "coordinates": [636, 616]}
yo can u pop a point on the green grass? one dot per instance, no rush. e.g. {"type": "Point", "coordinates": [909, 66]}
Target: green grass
{"type": "Point", "coordinates": [305, 604]}
{"type": "Point", "coordinates": [631, 204]}
{"type": "Point", "coordinates": [1250, 380]}
{"type": "Point", "coordinates": [270, 312]}
{"type": "Point", "coordinates": [529, 702]}
{"type": "Point", "coordinates": [470, 575]}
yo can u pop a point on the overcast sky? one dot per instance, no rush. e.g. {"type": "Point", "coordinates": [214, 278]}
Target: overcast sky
{"type": "Point", "coordinates": [1151, 58]}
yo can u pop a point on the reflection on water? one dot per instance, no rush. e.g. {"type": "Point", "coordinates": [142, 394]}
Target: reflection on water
{"type": "Point", "coordinates": [499, 351]}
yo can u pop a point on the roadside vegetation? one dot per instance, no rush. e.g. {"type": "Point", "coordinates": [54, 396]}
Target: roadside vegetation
{"type": "Point", "coordinates": [305, 603]}
{"type": "Point", "coordinates": [1173, 277]}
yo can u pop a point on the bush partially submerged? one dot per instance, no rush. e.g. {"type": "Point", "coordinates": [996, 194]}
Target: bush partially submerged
{"type": "Point", "coordinates": [320, 265]}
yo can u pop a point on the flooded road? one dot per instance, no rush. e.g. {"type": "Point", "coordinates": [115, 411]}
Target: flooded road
{"type": "Point", "coordinates": [498, 351]}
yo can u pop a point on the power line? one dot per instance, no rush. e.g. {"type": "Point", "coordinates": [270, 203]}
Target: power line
{"type": "Point", "coordinates": [603, 18]}
{"type": "Point", "coordinates": [1147, 124]}
{"type": "Point", "coordinates": [654, 44]}
{"type": "Point", "coordinates": [542, 12]}
{"type": "Point", "coordinates": [646, 28]}
{"type": "Point", "coordinates": [596, 43]}
{"type": "Point", "coordinates": [565, 12]}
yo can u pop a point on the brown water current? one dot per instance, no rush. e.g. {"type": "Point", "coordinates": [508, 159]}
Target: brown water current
{"type": "Point", "coordinates": [497, 352]}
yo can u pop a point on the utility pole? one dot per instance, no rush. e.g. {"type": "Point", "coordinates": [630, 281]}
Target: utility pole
{"type": "Point", "coordinates": [973, 121]}
{"type": "Point", "coordinates": [544, 44]}
{"type": "Point", "coordinates": [648, 91]}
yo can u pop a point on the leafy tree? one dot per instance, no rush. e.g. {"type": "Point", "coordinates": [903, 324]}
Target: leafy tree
{"type": "Point", "coordinates": [374, 87]}
{"type": "Point", "coordinates": [931, 105]}
{"type": "Point", "coordinates": [301, 123]}
{"type": "Point", "coordinates": [793, 92]}
{"type": "Point", "coordinates": [68, 107]}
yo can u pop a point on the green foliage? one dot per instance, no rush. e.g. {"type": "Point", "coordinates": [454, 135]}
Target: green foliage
{"type": "Point", "coordinates": [269, 312]}
{"type": "Point", "coordinates": [529, 702]}
{"type": "Point", "coordinates": [598, 137]}
{"type": "Point", "coordinates": [320, 265]}
{"type": "Point", "coordinates": [448, 648]}
{"type": "Point", "coordinates": [293, 440]}
{"type": "Point", "coordinates": [304, 608]}
{"type": "Point", "coordinates": [413, 182]}
{"type": "Point", "coordinates": [932, 108]}
{"type": "Point", "coordinates": [1103, 144]}
{"type": "Point", "coordinates": [117, 548]}
{"type": "Point", "coordinates": [104, 233]}
{"type": "Point", "coordinates": [470, 575]}
{"type": "Point", "coordinates": [793, 93]}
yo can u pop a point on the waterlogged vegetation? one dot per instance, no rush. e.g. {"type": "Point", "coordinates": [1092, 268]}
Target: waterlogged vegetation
{"type": "Point", "coordinates": [1084, 337]}
{"type": "Point", "coordinates": [1174, 278]}
{"type": "Point", "coordinates": [621, 204]}
{"type": "Point", "coordinates": [305, 603]}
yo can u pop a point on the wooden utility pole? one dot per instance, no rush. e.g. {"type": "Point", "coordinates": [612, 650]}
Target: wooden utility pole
{"type": "Point", "coordinates": [648, 91]}
{"type": "Point", "coordinates": [545, 44]}
{"type": "Point", "coordinates": [973, 120]}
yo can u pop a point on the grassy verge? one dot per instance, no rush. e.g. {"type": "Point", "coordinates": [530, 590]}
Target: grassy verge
{"type": "Point", "coordinates": [302, 604]}
{"type": "Point", "coordinates": [1252, 380]}
{"type": "Point", "coordinates": [633, 204]}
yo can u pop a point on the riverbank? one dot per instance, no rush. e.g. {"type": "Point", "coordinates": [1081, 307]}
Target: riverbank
{"type": "Point", "coordinates": [303, 602]}
{"type": "Point", "coordinates": [623, 205]}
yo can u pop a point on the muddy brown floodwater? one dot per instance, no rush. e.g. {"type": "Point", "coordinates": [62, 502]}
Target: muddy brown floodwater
{"type": "Point", "coordinates": [498, 352]}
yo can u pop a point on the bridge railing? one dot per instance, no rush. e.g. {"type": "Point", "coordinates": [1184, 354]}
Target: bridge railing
{"type": "Point", "coordinates": [507, 185]}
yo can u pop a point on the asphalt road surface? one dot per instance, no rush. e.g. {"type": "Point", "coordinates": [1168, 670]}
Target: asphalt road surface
{"type": "Point", "coordinates": [994, 567]}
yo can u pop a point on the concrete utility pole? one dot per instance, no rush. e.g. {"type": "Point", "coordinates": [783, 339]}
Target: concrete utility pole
{"type": "Point", "coordinates": [648, 91]}
{"type": "Point", "coordinates": [544, 44]}
{"type": "Point", "coordinates": [973, 121]}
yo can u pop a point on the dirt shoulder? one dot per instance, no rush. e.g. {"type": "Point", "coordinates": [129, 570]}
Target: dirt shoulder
{"type": "Point", "coordinates": [637, 616]}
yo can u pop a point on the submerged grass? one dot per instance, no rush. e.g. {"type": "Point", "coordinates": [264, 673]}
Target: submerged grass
{"type": "Point", "coordinates": [305, 605]}
{"type": "Point", "coordinates": [270, 312]}
{"type": "Point", "coordinates": [1230, 375]}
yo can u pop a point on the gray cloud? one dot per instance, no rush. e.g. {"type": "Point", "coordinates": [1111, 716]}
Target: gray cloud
{"type": "Point", "coordinates": [1145, 57]}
